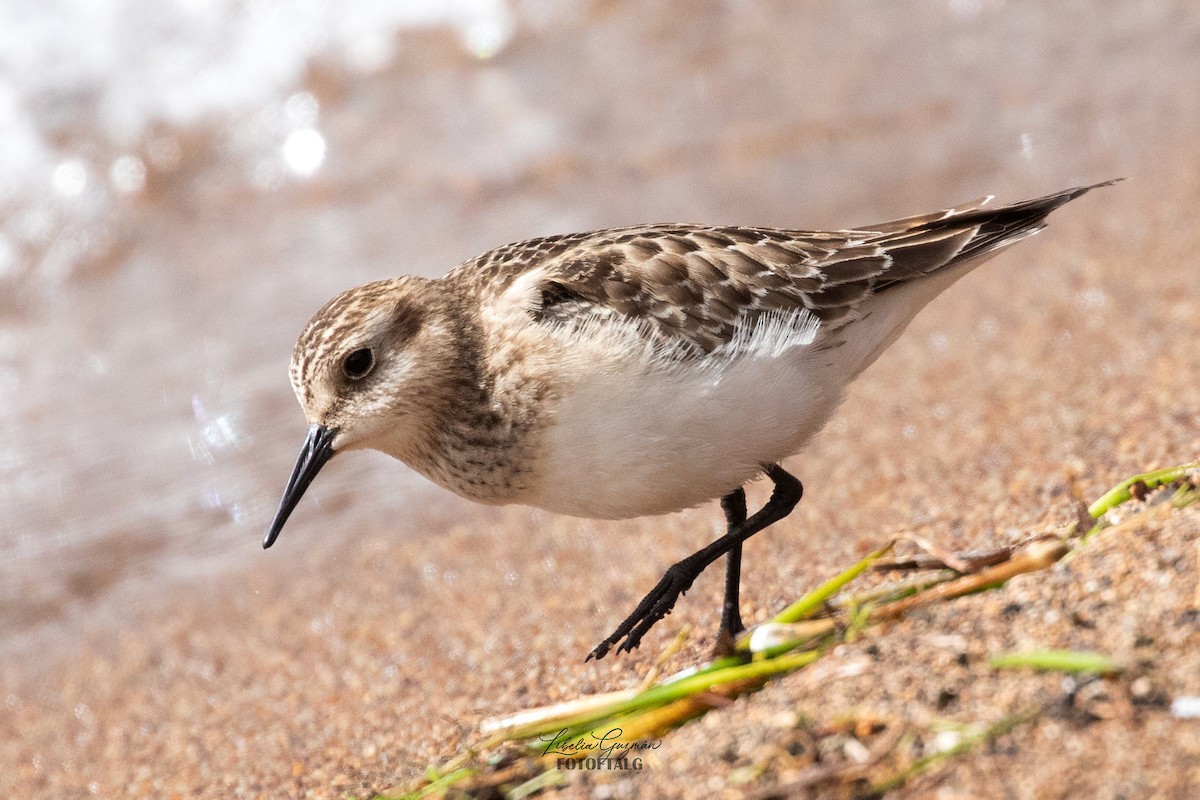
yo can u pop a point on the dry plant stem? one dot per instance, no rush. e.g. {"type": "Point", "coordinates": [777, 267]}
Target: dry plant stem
{"type": "Point", "coordinates": [954, 562]}
{"type": "Point", "coordinates": [752, 674]}
{"type": "Point", "coordinates": [970, 562]}
{"type": "Point", "coordinates": [655, 721]}
{"type": "Point", "coordinates": [920, 765]}
{"type": "Point", "coordinates": [814, 776]}
{"type": "Point", "coordinates": [890, 593]}
{"type": "Point", "coordinates": [515, 772]}
{"type": "Point", "coordinates": [1034, 556]}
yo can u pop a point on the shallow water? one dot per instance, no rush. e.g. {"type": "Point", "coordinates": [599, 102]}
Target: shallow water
{"type": "Point", "coordinates": [178, 195]}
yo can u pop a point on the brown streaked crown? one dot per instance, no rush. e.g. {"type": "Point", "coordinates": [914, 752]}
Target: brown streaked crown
{"type": "Point", "coordinates": [381, 313]}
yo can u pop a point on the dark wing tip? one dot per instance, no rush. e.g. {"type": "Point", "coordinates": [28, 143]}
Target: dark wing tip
{"type": "Point", "coordinates": [1053, 201]}
{"type": "Point", "coordinates": [959, 235]}
{"type": "Point", "coordinates": [1024, 212]}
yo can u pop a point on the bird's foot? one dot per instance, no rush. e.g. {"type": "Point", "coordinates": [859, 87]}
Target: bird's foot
{"type": "Point", "coordinates": [726, 644]}
{"type": "Point", "coordinates": [654, 606]}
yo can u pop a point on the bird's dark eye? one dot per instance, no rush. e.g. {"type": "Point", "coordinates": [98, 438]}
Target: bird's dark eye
{"type": "Point", "coordinates": [358, 363]}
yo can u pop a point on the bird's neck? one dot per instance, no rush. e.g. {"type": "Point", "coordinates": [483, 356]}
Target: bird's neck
{"type": "Point", "coordinates": [480, 442]}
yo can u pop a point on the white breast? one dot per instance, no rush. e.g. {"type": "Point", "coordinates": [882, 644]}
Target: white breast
{"type": "Point", "coordinates": [636, 434]}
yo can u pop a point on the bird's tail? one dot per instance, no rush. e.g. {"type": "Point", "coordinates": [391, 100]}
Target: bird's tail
{"type": "Point", "coordinates": [999, 227]}
{"type": "Point", "coordinates": [941, 241]}
{"type": "Point", "coordinates": [931, 252]}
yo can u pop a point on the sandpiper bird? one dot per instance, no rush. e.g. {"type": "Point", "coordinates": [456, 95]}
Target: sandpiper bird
{"type": "Point", "coordinates": [628, 372]}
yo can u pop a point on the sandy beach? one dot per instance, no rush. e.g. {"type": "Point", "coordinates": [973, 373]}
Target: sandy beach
{"type": "Point", "coordinates": [392, 618]}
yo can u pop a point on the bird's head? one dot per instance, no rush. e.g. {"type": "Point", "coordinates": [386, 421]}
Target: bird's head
{"type": "Point", "coordinates": [366, 370]}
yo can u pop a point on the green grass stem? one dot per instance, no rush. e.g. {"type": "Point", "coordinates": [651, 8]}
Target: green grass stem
{"type": "Point", "coordinates": [810, 603]}
{"type": "Point", "coordinates": [1057, 661]}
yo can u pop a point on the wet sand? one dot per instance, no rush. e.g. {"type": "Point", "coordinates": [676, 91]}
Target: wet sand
{"type": "Point", "coordinates": [382, 629]}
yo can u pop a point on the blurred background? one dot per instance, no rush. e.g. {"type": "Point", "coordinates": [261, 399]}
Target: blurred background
{"type": "Point", "coordinates": [183, 183]}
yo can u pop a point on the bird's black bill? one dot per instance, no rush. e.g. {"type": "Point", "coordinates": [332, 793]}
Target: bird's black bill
{"type": "Point", "coordinates": [318, 448]}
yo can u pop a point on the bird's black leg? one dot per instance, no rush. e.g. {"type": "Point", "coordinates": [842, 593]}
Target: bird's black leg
{"type": "Point", "coordinates": [679, 576]}
{"type": "Point", "coordinates": [734, 506]}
